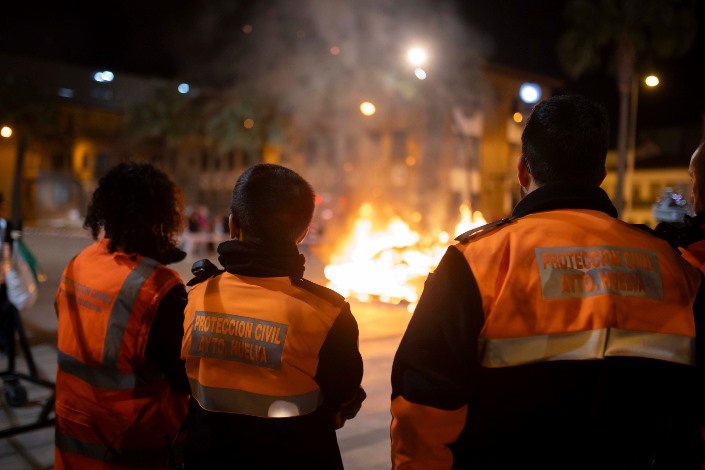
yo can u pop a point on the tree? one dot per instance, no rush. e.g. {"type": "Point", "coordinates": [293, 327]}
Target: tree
{"type": "Point", "coordinates": [29, 113]}
{"type": "Point", "coordinates": [628, 35]}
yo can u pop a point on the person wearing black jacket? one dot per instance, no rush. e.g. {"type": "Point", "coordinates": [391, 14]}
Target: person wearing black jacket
{"type": "Point", "coordinates": [272, 358]}
{"type": "Point", "coordinates": [689, 234]}
{"type": "Point", "coordinates": [6, 329]}
{"type": "Point", "coordinates": [559, 337]}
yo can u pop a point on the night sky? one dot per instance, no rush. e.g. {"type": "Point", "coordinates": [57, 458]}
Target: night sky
{"type": "Point", "coordinates": [132, 36]}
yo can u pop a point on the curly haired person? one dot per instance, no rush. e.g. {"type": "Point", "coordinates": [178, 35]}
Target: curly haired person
{"type": "Point", "coordinates": [121, 391]}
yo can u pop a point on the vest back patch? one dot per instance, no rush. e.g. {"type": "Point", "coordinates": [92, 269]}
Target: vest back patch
{"type": "Point", "coordinates": [235, 338]}
{"type": "Point", "coordinates": [586, 271]}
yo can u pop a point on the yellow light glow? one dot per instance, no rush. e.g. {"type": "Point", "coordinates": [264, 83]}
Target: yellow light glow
{"type": "Point", "coordinates": [651, 80]}
{"type": "Point", "coordinates": [6, 131]}
{"type": "Point", "coordinates": [517, 117]}
{"type": "Point", "coordinates": [248, 123]}
{"type": "Point", "coordinates": [367, 108]}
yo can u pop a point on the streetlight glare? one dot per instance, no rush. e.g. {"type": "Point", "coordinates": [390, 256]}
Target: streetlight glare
{"type": "Point", "coordinates": [105, 76]}
{"type": "Point", "coordinates": [367, 108]}
{"type": "Point", "coordinates": [416, 56]}
{"type": "Point", "coordinates": [651, 80]}
{"type": "Point", "coordinates": [420, 73]}
{"type": "Point", "coordinates": [6, 131]}
{"type": "Point", "coordinates": [530, 93]}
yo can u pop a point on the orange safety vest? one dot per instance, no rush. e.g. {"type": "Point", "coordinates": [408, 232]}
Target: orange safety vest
{"type": "Point", "coordinates": [695, 254]}
{"type": "Point", "coordinates": [555, 288]}
{"type": "Point", "coordinates": [113, 408]}
{"type": "Point", "coordinates": [559, 285]}
{"type": "Point", "coordinates": [251, 345]}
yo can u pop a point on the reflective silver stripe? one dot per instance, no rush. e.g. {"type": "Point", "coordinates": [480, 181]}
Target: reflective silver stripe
{"type": "Point", "coordinates": [594, 344]}
{"type": "Point", "coordinates": [122, 309]}
{"type": "Point", "coordinates": [107, 375]}
{"type": "Point", "coordinates": [253, 404]}
{"type": "Point", "coordinates": [97, 376]}
{"type": "Point", "coordinates": [105, 454]}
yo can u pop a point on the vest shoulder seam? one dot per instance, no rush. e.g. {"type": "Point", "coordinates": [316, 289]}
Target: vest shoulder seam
{"type": "Point", "coordinates": [318, 290]}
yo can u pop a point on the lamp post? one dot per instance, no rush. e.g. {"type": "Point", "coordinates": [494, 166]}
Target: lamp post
{"type": "Point", "coordinates": [650, 81]}
{"type": "Point", "coordinates": [16, 214]}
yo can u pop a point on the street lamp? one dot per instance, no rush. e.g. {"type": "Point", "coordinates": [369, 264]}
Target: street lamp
{"type": "Point", "coordinates": [417, 56]}
{"type": "Point", "coordinates": [530, 93]}
{"type": "Point", "coordinates": [367, 108]}
{"type": "Point", "coordinates": [650, 81]}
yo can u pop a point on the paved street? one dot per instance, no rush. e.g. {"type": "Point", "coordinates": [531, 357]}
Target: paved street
{"type": "Point", "coordinates": [364, 441]}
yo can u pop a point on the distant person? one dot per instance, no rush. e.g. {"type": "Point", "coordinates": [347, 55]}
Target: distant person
{"type": "Point", "coordinates": [6, 316]}
{"type": "Point", "coordinates": [689, 234]}
{"type": "Point", "coordinates": [121, 389]}
{"type": "Point", "coordinates": [559, 337]}
{"type": "Point", "coordinates": [272, 358]}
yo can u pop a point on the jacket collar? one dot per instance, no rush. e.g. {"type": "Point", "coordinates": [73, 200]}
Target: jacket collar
{"type": "Point", "coordinates": [564, 196]}
{"type": "Point", "coordinates": [261, 258]}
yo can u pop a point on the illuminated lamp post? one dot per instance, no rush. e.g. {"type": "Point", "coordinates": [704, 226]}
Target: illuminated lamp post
{"type": "Point", "coordinates": [417, 57]}
{"type": "Point", "coordinates": [7, 132]}
{"type": "Point", "coordinates": [367, 108]}
{"type": "Point", "coordinates": [530, 93]}
{"type": "Point", "coordinates": [650, 81]}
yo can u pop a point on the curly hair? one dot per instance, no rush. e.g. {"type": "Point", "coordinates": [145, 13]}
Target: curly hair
{"type": "Point", "coordinates": [140, 209]}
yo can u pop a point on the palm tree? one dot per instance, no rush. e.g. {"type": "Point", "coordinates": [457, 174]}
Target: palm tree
{"type": "Point", "coordinates": [628, 34]}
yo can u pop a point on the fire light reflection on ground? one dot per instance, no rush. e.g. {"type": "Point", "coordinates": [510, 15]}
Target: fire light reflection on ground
{"type": "Point", "coordinates": [391, 264]}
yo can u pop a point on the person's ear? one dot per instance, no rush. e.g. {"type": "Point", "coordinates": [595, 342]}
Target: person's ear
{"type": "Point", "coordinates": [235, 232]}
{"type": "Point", "coordinates": [523, 172]}
{"type": "Point", "coordinates": [303, 235]}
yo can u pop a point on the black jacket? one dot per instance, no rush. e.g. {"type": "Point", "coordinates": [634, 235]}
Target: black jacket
{"type": "Point", "coordinates": [306, 441]}
{"type": "Point", "coordinates": [621, 413]}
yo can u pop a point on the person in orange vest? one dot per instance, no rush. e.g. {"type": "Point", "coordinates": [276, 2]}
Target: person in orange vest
{"type": "Point", "coordinates": [558, 337]}
{"type": "Point", "coordinates": [121, 388]}
{"type": "Point", "coordinates": [272, 358]}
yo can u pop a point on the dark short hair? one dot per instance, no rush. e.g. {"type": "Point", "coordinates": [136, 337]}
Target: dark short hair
{"type": "Point", "coordinates": [272, 202]}
{"type": "Point", "coordinates": [565, 140]}
{"type": "Point", "coordinates": [140, 209]}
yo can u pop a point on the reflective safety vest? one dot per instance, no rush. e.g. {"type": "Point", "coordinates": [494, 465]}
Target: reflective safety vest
{"type": "Point", "coordinates": [251, 345]}
{"type": "Point", "coordinates": [113, 408]}
{"type": "Point", "coordinates": [579, 284]}
{"type": "Point", "coordinates": [695, 254]}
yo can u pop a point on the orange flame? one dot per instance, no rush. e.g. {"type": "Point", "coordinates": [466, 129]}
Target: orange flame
{"type": "Point", "coordinates": [390, 265]}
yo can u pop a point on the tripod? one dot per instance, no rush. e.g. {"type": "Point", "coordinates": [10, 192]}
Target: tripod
{"type": "Point", "coordinates": [15, 392]}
